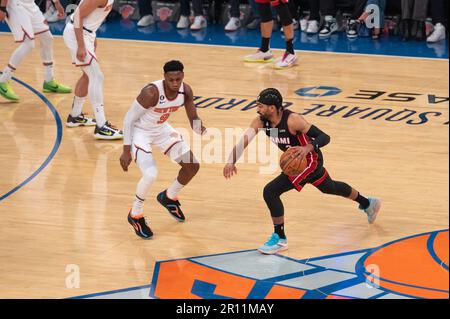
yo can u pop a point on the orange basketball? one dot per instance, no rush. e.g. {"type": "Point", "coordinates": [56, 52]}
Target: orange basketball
{"type": "Point", "coordinates": [290, 164]}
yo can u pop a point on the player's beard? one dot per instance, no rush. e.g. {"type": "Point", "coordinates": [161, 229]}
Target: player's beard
{"type": "Point", "coordinates": [262, 117]}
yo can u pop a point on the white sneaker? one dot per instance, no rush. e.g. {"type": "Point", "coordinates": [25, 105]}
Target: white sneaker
{"type": "Point", "coordinates": [199, 23]}
{"type": "Point", "coordinates": [107, 132]}
{"type": "Point", "coordinates": [145, 21]}
{"type": "Point", "coordinates": [313, 27]}
{"type": "Point", "coordinates": [233, 25]}
{"type": "Point", "coordinates": [259, 56]}
{"type": "Point", "coordinates": [372, 210]}
{"type": "Point", "coordinates": [438, 34]}
{"type": "Point", "coordinates": [304, 24]}
{"type": "Point", "coordinates": [183, 23]}
{"type": "Point", "coordinates": [288, 60]}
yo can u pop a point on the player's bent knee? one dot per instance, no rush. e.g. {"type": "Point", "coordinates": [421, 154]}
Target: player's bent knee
{"type": "Point", "coordinates": [285, 15]}
{"type": "Point", "coordinates": [28, 44]}
{"type": "Point", "coordinates": [265, 12]}
{"type": "Point", "coordinates": [150, 174]}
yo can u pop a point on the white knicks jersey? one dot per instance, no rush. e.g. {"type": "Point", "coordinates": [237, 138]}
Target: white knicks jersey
{"type": "Point", "coordinates": [157, 115]}
{"type": "Point", "coordinates": [94, 20]}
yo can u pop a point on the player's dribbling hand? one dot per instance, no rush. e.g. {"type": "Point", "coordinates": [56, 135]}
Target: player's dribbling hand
{"type": "Point", "coordinates": [59, 8]}
{"type": "Point", "coordinates": [125, 160]}
{"type": "Point", "coordinates": [2, 16]}
{"type": "Point", "coordinates": [302, 151]}
{"type": "Point", "coordinates": [229, 170]}
{"type": "Point", "coordinates": [81, 53]}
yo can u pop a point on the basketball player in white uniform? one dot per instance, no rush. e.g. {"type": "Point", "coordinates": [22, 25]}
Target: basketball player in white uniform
{"type": "Point", "coordinates": [27, 22]}
{"type": "Point", "coordinates": [80, 38]}
{"type": "Point", "coordinates": [145, 125]}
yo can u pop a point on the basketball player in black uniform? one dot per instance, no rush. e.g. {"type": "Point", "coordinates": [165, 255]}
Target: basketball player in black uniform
{"type": "Point", "coordinates": [288, 129]}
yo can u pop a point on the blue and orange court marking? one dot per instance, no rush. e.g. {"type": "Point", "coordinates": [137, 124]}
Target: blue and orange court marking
{"type": "Point", "coordinates": [413, 267]}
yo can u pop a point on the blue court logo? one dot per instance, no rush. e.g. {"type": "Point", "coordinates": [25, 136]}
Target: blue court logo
{"type": "Point", "coordinates": [318, 91]}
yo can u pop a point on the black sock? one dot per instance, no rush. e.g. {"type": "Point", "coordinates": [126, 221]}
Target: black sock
{"type": "Point", "coordinates": [264, 44]}
{"type": "Point", "coordinates": [364, 202]}
{"type": "Point", "coordinates": [290, 46]}
{"type": "Point", "coordinates": [279, 229]}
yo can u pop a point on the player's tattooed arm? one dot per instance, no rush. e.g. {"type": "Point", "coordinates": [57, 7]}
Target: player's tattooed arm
{"type": "Point", "coordinates": [230, 168]}
{"type": "Point", "coordinates": [191, 111]}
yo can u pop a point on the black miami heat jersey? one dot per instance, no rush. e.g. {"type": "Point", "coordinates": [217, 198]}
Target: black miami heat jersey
{"type": "Point", "coordinates": [284, 139]}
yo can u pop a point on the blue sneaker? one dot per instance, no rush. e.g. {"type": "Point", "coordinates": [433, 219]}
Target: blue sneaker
{"type": "Point", "coordinates": [372, 210]}
{"type": "Point", "coordinates": [273, 245]}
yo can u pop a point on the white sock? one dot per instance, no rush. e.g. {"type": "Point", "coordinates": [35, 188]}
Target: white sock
{"type": "Point", "coordinates": [77, 105]}
{"type": "Point", "coordinates": [174, 189]}
{"type": "Point", "coordinates": [7, 74]}
{"type": "Point", "coordinates": [99, 113]}
{"type": "Point", "coordinates": [138, 204]}
{"type": "Point", "coordinates": [48, 73]}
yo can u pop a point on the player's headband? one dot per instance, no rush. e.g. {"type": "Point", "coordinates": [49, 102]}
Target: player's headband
{"type": "Point", "coordinates": [270, 98]}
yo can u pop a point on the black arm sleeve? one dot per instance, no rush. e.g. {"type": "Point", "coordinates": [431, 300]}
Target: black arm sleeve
{"type": "Point", "coordinates": [320, 139]}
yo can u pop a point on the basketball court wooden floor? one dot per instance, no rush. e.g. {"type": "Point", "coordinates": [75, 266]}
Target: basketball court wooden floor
{"type": "Point", "coordinates": [64, 198]}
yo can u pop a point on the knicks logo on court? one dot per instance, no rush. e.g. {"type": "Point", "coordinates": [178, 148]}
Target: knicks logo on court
{"type": "Point", "coordinates": [413, 267]}
{"type": "Point", "coordinates": [408, 268]}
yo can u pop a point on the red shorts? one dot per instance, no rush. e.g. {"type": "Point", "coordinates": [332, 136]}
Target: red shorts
{"type": "Point", "coordinates": [274, 3]}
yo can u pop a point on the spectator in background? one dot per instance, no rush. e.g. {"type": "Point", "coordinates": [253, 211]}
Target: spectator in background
{"type": "Point", "coordinates": [314, 17]}
{"type": "Point", "coordinates": [146, 13]}
{"type": "Point", "coordinates": [255, 21]}
{"type": "Point", "coordinates": [328, 11]}
{"type": "Point", "coordinates": [438, 11]}
{"type": "Point", "coordinates": [234, 23]}
{"type": "Point", "coordinates": [414, 13]}
{"type": "Point", "coordinates": [199, 20]}
{"type": "Point", "coordinates": [362, 12]}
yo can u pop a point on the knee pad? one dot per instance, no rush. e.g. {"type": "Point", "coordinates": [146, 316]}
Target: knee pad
{"type": "Point", "coordinates": [28, 45]}
{"type": "Point", "coordinates": [150, 174]}
{"type": "Point", "coordinates": [265, 12]}
{"type": "Point", "coordinates": [284, 13]}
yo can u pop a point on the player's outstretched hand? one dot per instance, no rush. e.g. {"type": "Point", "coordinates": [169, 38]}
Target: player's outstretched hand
{"type": "Point", "coordinates": [125, 160]}
{"type": "Point", "coordinates": [229, 170]}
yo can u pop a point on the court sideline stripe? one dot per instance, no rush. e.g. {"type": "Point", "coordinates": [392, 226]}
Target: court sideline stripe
{"type": "Point", "coordinates": [55, 146]}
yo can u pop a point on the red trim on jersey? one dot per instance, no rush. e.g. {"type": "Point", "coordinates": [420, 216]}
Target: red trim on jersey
{"type": "Point", "coordinates": [25, 35]}
{"type": "Point", "coordinates": [90, 61]}
{"type": "Point", "coordinates": [139, 149]}
{"type": "Point", "coordinates": [311, 160]}
{"type": "Point", "coordinates": [167, 150]}
{"type": "Point", "coordinates": [41, 32]}
{"type": "Point", "coordinates": [320, 180]}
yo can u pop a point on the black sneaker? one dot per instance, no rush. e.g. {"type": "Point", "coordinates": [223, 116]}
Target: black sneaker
{"type": "Point", "coordinates": [172, 206]}
{"type": "Point", "coordinates": [108, 132]}
{"type": "Point", "coordinates": [80, 120]}
{"type": "Point", "coordinates": [352, 29]}
{"type": "Point", "coordinates": [330, 26]}
{"type": "Point", "coordinates": [140, 227]}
